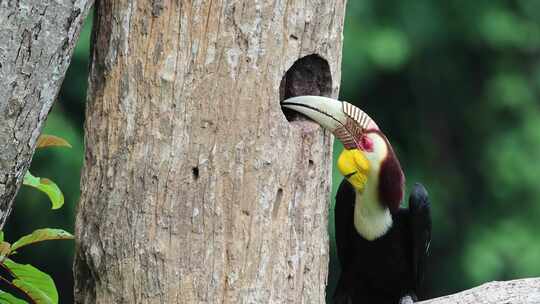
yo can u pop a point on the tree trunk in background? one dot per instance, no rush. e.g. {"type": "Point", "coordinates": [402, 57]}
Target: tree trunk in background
{"type": "Point", "coordinates": [37, 38]}
{"type": "Point", "coordinates": [196, 189]}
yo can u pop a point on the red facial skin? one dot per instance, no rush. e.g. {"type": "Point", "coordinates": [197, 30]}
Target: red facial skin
{"type": "Point", "coordinates": [366, 144]}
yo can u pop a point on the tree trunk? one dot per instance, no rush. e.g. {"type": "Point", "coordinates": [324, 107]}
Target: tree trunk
{"type": "Point", "coordinates": [524, 291]}
{"type": "Point", "coordinates": [37, 38]}
{"type": "Point", "coordinates": [196, 188]}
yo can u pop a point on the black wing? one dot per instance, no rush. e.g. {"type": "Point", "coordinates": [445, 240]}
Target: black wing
{"type": "Point", "coordinates": [420, 211]}
{"type": "Point", "coordinates": [344, 224]}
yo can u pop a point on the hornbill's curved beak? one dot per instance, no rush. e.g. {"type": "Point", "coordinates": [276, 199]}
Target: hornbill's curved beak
{"type": "Point", "coordinates": [344, 120]}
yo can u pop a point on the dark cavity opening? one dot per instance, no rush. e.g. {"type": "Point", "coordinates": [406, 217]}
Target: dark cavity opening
{"type": "Point", "coordinates": [309, 75]}
{"type": "Point", "coordinates": [277, 203]}
{"type": "Point", "coordinates": [195, 172]}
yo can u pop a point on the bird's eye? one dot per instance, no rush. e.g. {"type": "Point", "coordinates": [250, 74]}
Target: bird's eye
{"type": "Point", "coordinates": [366, 143]}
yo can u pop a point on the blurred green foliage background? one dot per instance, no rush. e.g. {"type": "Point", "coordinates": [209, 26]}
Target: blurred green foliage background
{"type": "Point", "coordinates": [455, 85]}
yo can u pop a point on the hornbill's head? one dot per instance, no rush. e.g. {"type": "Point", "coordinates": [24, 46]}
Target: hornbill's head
{"type": "Point", "coordinates": [368, 161]}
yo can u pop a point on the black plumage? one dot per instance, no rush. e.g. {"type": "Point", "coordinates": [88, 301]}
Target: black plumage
{"type": "Point", "coordinates": [390, 267]}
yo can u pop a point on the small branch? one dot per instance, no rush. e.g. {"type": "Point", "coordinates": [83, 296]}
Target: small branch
{"type": "Point", "coordinates": [522, 291]}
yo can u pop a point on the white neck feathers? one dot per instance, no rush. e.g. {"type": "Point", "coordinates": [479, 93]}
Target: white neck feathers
{"type": "Point", "coordinates": [371, 220]}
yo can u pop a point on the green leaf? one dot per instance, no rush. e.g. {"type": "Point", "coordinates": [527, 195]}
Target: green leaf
{"type": "Point", "coordinates": [47, 186]}
{"type": "Point", "coordinates": [8, 298]}
{"type": "Point", "coordinates": [41, 235]}
{"type": "Point", "coordinates": [33, 292]}
{"type": "Point", "coordinates": [36, 284]}
{"type": "Point", "coordinates": [45, 140]}
{"type": "Point", "coordinates": [5, 250]}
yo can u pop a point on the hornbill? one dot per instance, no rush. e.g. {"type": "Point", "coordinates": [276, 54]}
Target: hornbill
{"type": "Point", "coordinates": [381, 247]}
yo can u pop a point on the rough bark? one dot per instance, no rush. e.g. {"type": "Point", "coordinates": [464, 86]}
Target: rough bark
{"type": "Point", "coordinates": [37, 38]}
{"type": "Point", "coordinates": [523, 291]}
{"type": "Point", "coordinates": [196, 189]}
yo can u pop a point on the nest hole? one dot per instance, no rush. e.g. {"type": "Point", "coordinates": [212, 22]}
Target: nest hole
{"type": "Point", "coordinates": [309, 75]}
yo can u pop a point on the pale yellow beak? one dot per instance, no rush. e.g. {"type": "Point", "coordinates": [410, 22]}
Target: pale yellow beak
{"type": "Point", "coordinates": [347, 123]}
{"type": "Point", "coordinates": [343, 119]}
